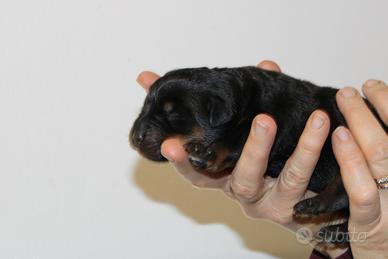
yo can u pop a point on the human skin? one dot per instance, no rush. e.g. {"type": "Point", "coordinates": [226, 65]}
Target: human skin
{"type": "Point", "coordinates": [273, 199]}
{"type": "Point", "coordinates": [362, 153]}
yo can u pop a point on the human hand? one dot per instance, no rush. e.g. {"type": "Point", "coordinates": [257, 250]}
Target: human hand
{"type": "Point", "coordinates": [362, 154]}
{"type": "Point", "coordinates": [259, 196]}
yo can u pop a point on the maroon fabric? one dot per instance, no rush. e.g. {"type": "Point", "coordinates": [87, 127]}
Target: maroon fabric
{"type": "Point", "coordinates": [318, 255]}
{"type": "Point", "coordinates": [347, 255]}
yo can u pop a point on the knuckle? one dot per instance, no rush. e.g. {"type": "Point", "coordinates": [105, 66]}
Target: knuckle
{"type": "Point", "coordinates": [311, 144]}
{"type": "Point", "coordinates": [242, 191]}
{"type": "Point", "coordinates": [310, 148]}
{"type": "Point", "coordinates": [293, 176]}
{"type": "Point", "coordinates": [364, 197]}
{"type": "Point", "coordinates": [352, 158]}
{"type": "Point", "coordinates": [378, 153]}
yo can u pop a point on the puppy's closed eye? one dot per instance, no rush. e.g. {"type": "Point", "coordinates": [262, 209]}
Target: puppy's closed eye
{"type": "Point", "coordinates": [176, 116]}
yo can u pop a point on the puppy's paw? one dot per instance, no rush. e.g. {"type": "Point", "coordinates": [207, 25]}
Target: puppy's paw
{"type": "Point", "coordinates": [199, 155]}
{"type": "Point", "coordinates": [309, 207]}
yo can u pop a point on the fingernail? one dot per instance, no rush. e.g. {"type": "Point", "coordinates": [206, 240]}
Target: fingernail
{"type": "Point", "coordinates": [342, 134]}
{"type": "Point", "coordinates": [261, 127]}
{"type": "Point", "coordinates": [348, 92]}
{"type": "Point", "coordinates": [317, 121]}
{"type": "Point", "coordinates": [371, 82]}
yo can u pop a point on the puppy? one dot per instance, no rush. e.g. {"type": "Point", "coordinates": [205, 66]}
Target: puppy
{"type": "Point", "coordinates": [212, 110]}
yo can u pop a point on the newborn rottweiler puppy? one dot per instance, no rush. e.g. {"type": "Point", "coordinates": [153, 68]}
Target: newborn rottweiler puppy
{"type": "Point", "coordinates": [212, 110]}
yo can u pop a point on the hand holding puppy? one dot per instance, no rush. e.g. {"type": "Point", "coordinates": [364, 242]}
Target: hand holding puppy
{"type": "Point", "coordinates": [361, 157]}
{"type": "Point", "coordinates": [362, 154]}
{"type": "Point", "coordinates": [259, 196]}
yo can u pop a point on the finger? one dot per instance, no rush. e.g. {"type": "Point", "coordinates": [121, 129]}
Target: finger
{"type": "Point", "coordinates": [269, 65]}
{"type": "Point", "coordinates": [357, 178]}
{"type": "Point", "coordinates": [172, 149]}
{"type": "Point", "coordinates": [247, 177]}
{"type": "Point", "coordinates": [366, 130]}
{"type": "Point", "coordinates": [294, 178]}
{"type": "Point", "coordinates": [146, 79]}
{"type": "Point", "coordinates": [377, 94]}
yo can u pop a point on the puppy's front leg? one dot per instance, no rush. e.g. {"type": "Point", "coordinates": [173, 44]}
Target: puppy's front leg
{"type": "Point", "coordinates": [332, 198]}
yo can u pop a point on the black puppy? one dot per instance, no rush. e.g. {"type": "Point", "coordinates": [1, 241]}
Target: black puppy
{"type": "Point", "coordinates": [212, 109]}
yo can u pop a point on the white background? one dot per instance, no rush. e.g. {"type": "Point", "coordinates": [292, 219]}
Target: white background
{"type": "Point", "coordinates": [70, 186]}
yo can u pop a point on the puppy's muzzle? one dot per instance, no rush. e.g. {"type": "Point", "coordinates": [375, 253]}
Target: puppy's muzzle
{"type": "Point", "coordinates": [147, 138]}
{"type": "Point", "coordinates": [138, 134]}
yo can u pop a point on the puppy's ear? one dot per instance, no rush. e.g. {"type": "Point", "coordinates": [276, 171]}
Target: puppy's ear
{"type": "Point", "coordinates": [218, 111]}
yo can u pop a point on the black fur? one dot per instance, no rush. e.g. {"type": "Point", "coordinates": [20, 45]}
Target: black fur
{"type": "Point", "coordinates": [213, 110]}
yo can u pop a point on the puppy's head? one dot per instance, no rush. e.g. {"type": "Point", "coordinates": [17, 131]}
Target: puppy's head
{"type": "Point", "coordinates": [203, 106]}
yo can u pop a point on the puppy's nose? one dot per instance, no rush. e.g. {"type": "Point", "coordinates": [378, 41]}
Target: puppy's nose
{"type": "Point", "coordinates": [138, 133]}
